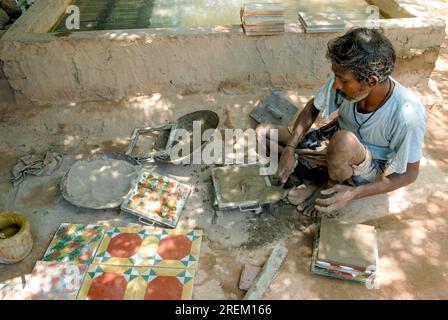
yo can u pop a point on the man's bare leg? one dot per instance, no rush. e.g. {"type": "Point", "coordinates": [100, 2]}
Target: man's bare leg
{"type": "Point", "coordinates": [344, 151]}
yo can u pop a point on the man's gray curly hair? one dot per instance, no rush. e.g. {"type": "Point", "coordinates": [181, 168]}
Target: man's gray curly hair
{"type": "Point", "coordinates": [365, 52]}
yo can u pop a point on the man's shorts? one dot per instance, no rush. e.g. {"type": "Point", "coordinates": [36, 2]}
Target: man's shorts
{"type": "Point", "coordinates": [312, 150]}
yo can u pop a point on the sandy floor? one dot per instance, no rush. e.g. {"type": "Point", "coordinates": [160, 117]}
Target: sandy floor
{"type": "Point", "coordinates": [411, 222]}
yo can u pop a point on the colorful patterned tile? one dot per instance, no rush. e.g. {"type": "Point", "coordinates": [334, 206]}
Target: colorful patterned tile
{"type": "Point", "coordinates": [106, 282]}
{"type": "Point", "coordinates": [150, 247]}
{"type": "Point", "coordinates": [13, 289]}
{"type": "Point", "coordinates": [123, 246]}
{"type": "Point", "coordinates": [55, 281]}
{"type": "Point", "coordinates": [175, 248]}
{"type": "Point", "coordinates": [165, 284]}
{"type": "Point", "coordinates": [76, 243]}
{"type": "Point", "coordinates": [157, 198]}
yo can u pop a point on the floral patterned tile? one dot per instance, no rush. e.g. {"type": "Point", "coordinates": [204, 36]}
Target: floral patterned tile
{"type": "Point", "coordinates": [76, 243]}
{"type": "Point", "coordinates": [157, 198]}
{"type": "Point", "coordinates": [54, 281]}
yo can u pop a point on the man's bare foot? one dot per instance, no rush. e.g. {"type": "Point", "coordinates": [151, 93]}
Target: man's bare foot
{"type": "Point", "coordinates": [308, 207]}
{"type": "Point", "coordinates": [298, 195]}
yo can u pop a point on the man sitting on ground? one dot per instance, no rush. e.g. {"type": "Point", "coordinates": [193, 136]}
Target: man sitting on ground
{"type": "Point", "coordinates": [380, 126]}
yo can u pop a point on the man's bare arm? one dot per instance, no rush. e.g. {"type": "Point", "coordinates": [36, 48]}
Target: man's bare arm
{"type": "Point", "coordinates": [390, 183]}
{"type": "Point", "coordinates": [303, 123]}
{"type": "Point", "coordinates": [341, 195]}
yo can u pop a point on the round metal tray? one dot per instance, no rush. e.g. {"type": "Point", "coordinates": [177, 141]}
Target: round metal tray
{"type": "Point", "coordinates": [100, 156]}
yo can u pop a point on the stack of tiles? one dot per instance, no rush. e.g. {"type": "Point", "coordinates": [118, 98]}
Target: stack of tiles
{"type": "Point", "coordinates": [92, 262]}
{"type": "Point", "coordinates": [345, 251]}
{"type": "Point", "coordinates": [262, 19]}
{"type": "Point", "coordinates": [321, 22]}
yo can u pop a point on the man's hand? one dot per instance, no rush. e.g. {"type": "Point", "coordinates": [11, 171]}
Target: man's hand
{"type": "Point", "coordinates": [286, 164]}
{"type": "Point", "coordinates": [341, 196]}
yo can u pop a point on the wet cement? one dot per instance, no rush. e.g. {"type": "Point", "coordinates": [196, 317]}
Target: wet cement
{"type": "Point", "coordinates": [238, 184]}
{"type": "Point", "coordinates": [99, 183]}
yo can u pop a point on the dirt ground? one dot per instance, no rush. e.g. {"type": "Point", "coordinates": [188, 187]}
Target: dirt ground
{"type": "Point", "coordinates": [411, 222]}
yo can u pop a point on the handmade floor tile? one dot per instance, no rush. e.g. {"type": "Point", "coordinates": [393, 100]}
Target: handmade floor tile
{"type": "Point", "coordinates": [157, 198]}
{"type": "Point", "coordinates": [13, 289]}
{"type": "Point", "coordinates": [175, 248]}
{"type": "Point", "coordinates": [55, 281]}
{"type": "Point", "coordinates": [123, 246]}
{"type": "Point", "coordinates": [106, 282]}
{"type": "Point", "coordinates": [165, 284]}
{"type": "Point", "coordinates": [150, 247]}
{"type": "Point", "coordinates": [76, 243]}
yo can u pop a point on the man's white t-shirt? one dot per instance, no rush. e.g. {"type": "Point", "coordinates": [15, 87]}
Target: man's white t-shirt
{"type": "Point", "coordinates": [394, 133]}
